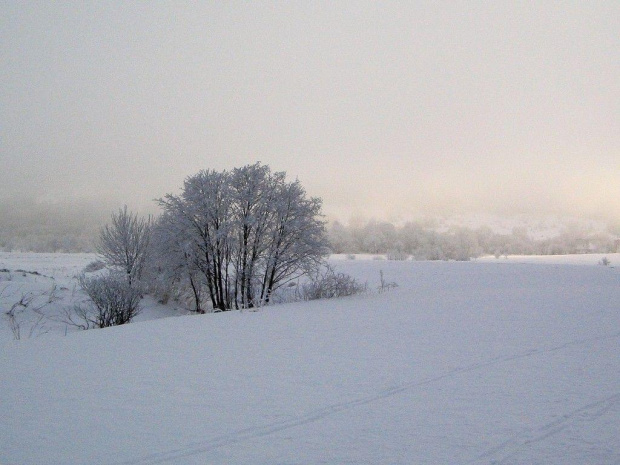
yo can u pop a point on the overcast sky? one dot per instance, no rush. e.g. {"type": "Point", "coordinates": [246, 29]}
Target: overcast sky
{"type": "Point", "coordinates": [386, 110]}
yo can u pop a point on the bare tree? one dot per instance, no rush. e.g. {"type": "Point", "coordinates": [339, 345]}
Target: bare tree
{"type": "Point", "coordinates": [124, 243]}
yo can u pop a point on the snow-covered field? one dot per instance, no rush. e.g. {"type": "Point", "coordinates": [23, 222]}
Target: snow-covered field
{"type": "Point", "coordinates": [483, 362]}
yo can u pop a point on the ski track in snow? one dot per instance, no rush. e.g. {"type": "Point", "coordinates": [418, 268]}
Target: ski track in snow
{"type": "Point", "coordinates": [510, 447]}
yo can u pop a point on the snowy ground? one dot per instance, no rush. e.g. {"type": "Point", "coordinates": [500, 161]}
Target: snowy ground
{"type": "Point", "coordinates": [484, 362]}
{"type": "Point", "coordinates": [46, 283]}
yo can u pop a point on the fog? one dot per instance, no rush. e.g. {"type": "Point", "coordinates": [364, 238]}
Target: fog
{"type": "Point", "coordinates": [390, 111]}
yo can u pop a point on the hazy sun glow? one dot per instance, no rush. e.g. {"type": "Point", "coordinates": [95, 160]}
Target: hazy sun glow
{"type": "Point", "coordinates": [382, 110]}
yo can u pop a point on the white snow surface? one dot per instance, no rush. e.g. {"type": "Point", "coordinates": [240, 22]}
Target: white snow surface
{"type": "Point", "coordinates": [483, 362]}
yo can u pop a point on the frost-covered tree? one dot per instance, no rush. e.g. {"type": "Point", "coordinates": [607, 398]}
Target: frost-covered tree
{"type": "Point", "coordinates": [172, 262]}
{"type": "Point", "coordinates": [297, 240]}
{"type": "Point", "coordinates": [124, 244]}
{"type": "Point", "coordinates": [247, 232]}
{"type": "Point", "coordinates": [203, 213]}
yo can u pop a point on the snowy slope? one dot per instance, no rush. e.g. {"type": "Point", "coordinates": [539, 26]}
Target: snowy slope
{"type": "Point", "coordinates": [47, 282]}
{"type": "Point", "coordinates": [463, 363]}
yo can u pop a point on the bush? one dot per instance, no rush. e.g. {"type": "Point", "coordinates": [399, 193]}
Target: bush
{"type": "Point", "coordinates": [385, 285]}
{"type": "Point", "coordinates": [329, 285]}
{"type": "Point", "coordinates": [113, 302]}
{"type": "Point", "coordinates": [94, 266]}
{"type": "Point", "coordinates": [397, 255]}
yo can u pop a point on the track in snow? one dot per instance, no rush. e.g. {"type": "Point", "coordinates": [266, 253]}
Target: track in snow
{"type": "Point", "coordinates": [511, 446]}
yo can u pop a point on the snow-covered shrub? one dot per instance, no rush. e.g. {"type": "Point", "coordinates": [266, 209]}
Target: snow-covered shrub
{"type": "Point", "coordinates": [397, 255]}
{"type": "Point", "coordinates": [113, 301]}
{"type": "Point", "coordinates": [604, 261]}
{"type": "Point", "coordinates": [330, 284]}
{"type": "Point", "coordinates": [94, 266]}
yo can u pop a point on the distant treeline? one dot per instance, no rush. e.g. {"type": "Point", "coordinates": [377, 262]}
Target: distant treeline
{"type": "Point", "coordinates": [426, 241]}
{"type": "Point", "coordinates": [29, 226]}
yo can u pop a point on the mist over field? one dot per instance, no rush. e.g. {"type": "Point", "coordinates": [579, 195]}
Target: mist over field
{"type": "Point", "coordinates": [43, 226]}
{"type": "Point", "coordinates": [30, 225]}
{"type": "Point", "coordinates": [392, 112]}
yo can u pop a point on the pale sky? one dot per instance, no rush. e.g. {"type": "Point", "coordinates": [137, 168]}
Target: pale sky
{"type": "Point", "coordinates": [387, 110]}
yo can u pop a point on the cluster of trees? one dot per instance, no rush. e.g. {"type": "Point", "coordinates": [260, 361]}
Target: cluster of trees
{"type": "Point", "coordinates": [238, 236]}
{"type": "Point", "coordinates": [231, 240]}
{"type": "Point", "coordinates": [424, 241]}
